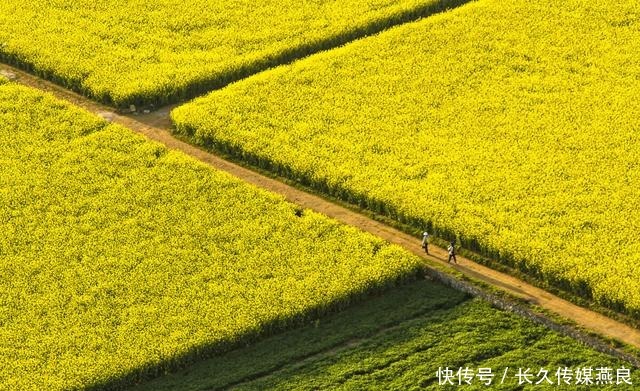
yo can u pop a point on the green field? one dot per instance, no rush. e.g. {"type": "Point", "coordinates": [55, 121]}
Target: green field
{"type": "Point", "coordinates": [154, 52]}
{"type": "Point", "coordinates": [510, 125]}
{"type": "Point", "coordinates": [396, 341]}
{"type": "Point", "coordinates": [120, 259]}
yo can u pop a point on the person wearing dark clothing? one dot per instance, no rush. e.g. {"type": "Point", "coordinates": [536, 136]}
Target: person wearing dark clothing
{"type": "Point", "coordinates": [452, 253]}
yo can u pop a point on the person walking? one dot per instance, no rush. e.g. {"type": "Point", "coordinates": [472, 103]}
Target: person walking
{"type": "Point", "coordinates": [452, 253]}
{"type": "Point", "coordinates": [425, 242]}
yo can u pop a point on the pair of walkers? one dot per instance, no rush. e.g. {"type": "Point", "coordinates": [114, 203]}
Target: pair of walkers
{"type": "Point", "coordinates": [451, 249]}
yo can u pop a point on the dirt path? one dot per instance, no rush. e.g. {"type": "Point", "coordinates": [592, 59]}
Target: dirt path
{"type": "Point", "coordinates": [156, 126]}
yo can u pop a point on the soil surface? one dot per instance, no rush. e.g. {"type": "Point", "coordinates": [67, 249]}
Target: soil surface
{"type": "Point", "coordinates": [157, 125]}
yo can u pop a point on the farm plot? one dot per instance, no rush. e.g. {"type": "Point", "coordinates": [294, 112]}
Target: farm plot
{"type": "Point", "coordinates": [145, 52]}
{"type": "Point", "coordinates": [510, 125]}
{"type": "Point", "coordinates": [397, 341]}
{"type": "Point", "coordinates": [120, 259]}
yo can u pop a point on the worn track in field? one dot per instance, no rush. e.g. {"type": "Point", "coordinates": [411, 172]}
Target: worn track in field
{"type": "Point", "coordinates": [157, 126]}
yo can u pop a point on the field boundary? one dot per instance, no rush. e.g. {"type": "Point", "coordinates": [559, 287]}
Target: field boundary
{"type": "Point", "coordinates": [480, 280]}
{"type": "Point", "coordinates": [200, 87]}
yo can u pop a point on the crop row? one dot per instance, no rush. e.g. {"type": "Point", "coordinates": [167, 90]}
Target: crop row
{"type": "Point", "coordinates": [120, 259]}
{"type": "Point", "coordinates": [510, 126]}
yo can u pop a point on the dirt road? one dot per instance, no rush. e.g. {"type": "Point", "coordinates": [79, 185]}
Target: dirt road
{"type": "Point", "coordinates": [157, 125]}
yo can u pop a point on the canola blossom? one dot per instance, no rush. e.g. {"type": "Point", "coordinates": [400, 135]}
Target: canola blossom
{"type": "Point", "coordinates": [512, 126]}
{"type": "Point", "coordinates": [120, 259]}
{"type": "Point", "coordinates": [153, 52]}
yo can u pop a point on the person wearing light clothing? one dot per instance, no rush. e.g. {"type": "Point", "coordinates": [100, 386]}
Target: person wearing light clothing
{"type": "Point", "coordinates": [425, 242]}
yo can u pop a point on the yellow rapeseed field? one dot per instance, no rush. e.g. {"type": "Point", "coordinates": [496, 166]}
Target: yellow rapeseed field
{"type": "Point", "coordinates": [152, 52]}
{"type": "Point", "coordinates": [511, 125]}
{"type": "Point", "coordinates": [120, 259]}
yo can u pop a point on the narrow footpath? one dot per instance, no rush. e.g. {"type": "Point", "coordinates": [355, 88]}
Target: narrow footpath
{"type": "Point", "coordinates": [157, 125]}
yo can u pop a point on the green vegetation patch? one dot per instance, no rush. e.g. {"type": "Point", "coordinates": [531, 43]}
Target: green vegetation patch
{"type": "Point", "coordinates": [396, 341]}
